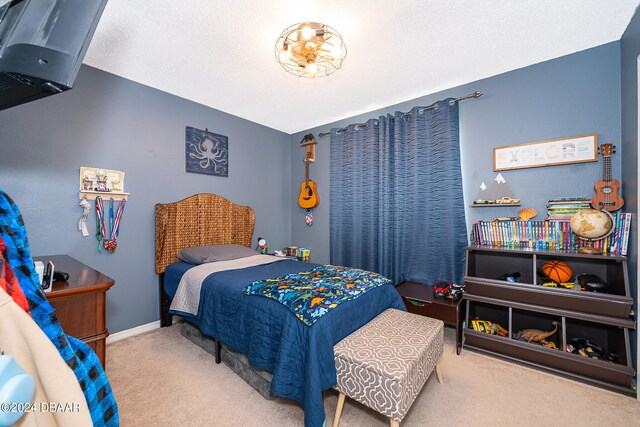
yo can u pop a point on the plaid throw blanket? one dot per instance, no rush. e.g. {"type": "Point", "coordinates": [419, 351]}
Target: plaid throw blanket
{"type": "Point", "coordinates": [80, 358]}
{"type": "Point", "coordinates": [9, 282]}
{"type": "Point", "coordinates": [311, 294]}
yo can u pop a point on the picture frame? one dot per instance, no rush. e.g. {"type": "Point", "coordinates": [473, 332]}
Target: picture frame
{"type": "Point", "coordinates": [552, 152]}
{"type": "Point", "coordinates": [206, 152]}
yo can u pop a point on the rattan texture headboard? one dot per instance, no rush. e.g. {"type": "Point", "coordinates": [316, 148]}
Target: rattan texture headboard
{"type": "Point", "coordinates": [199, 220]}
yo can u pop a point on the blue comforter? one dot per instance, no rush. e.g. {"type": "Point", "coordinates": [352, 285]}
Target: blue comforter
{"type": "Point", "coordinates": [299, 356]}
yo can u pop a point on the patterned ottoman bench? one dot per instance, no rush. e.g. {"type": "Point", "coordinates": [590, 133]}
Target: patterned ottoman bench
{"type": "Point", "coordinates": [384, 364]}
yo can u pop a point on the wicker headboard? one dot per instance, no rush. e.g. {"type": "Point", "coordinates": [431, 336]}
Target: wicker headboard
{"type": "Point", "coordinates": [199, 220]}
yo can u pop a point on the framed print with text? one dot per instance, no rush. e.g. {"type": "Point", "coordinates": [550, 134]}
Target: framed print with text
{"type": "Point", "coordinates": [563, 151]}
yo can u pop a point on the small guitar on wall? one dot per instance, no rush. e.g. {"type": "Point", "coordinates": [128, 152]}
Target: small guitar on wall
{"type": "Point", "coordinates": [308, 197]}
{"type": "Point", "coordinates": [607, 197]}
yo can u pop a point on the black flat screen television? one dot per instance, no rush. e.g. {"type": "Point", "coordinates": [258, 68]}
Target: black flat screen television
{"type": "Point", "coordinates": [42, 44]}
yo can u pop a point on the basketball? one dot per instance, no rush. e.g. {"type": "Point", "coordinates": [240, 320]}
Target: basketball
{"type": "Point", "coordinates": [557, 271]}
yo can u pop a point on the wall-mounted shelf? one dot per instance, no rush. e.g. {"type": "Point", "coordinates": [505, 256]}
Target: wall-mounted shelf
{"type": "Point", "coordinates": [106, 195]}
{"type": "Point", "coordinates": [491, 205]}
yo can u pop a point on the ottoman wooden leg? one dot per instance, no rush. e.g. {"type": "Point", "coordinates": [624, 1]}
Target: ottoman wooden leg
{"type": "Point", "coordinates": [438, 374]}
{"type": "Point", "coordinates": [336, 419]}
{"type": "Point", "coordinates": [394, 423]}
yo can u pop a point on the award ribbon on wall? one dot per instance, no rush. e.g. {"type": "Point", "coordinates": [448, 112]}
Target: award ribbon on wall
{"type": "Point", "coordinates": [308, 218]}
{"type": "Point", "coordinates": [101, 233]}
{"type": "Point", "coordinates": [114, 223]}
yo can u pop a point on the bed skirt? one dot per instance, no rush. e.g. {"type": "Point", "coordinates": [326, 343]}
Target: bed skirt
{"type": "Point", "coordinates": [257, 378]}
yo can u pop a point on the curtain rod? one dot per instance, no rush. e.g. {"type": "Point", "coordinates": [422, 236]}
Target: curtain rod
{"type": "Point", "coordinates": [475, 94]}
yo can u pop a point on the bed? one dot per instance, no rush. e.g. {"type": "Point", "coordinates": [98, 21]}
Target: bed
{"type": "Point", "coordinates": [299, 356]}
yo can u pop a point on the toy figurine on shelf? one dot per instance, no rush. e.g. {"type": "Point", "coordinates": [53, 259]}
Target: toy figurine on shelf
{"type": "Point", "coordinates": [535, 335]}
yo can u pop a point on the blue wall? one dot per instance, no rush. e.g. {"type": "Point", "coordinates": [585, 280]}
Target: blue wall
{"type": "Point", "coordinates": [107, 121]}
{"type": "Point", "coordinates": [630, 49]}
{"type": "Point", "coordinates": [572, 95]}
{"type": "Point", "coordinates": [111, 122]}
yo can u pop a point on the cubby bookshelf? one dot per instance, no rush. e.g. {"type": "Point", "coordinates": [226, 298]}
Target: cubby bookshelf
{"type": "Point", "coordinates": [602, 318]}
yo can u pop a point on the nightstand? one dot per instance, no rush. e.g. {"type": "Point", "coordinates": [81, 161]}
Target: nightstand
{"type": "Point", "coordinates": [419, 299]}
{"type": "Point", "coordinates": [80, 302]}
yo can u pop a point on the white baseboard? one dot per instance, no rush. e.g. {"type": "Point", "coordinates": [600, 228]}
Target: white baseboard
{"type": "Point", "coordinates": [117, 336]}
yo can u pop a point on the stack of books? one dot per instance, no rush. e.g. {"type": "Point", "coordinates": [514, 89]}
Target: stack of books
{"type": "Point", "coordinates": [548, 235]}
{"type": "Point", "coordinates": [618, 241]}
{"type": "Point", "coordinates": [563, 209]}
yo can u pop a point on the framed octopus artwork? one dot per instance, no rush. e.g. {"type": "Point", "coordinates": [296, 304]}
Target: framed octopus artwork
{"type": "Point", "coordinates": [206, 152]}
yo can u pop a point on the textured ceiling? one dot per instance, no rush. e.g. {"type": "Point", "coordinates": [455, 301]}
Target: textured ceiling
{"type": "Point", "coordinates": [220, 52]}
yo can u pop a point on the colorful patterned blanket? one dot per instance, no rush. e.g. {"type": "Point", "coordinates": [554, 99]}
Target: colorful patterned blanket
{"type": "Point", "coordinates": [311, 294]}
{"type": "Point", "coordinates": [78, 355]}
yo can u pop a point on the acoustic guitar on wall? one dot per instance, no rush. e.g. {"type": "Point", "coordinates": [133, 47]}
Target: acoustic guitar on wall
{"type": "Point", "coordinates": [308, 197]}
{"type": "Point", "coordinates": [607, 197]}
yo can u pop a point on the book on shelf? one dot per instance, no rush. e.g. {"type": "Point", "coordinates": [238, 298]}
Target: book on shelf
{"type": "Point", "coordinates": [548, 235]}
{"type": "Point", "coordinates": [564, 209]}
{"type": "Point", "coordinates": [570, 200]}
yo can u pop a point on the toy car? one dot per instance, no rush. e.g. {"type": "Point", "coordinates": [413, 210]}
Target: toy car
{"type": "Point", "coordinates": [456, 291]}
{"type": "Point", "coordinates": [507, 200]}
{"type": "Point", "coordinates": [448, 290]}
{"type": "Point", "coordinates": [441, 289]}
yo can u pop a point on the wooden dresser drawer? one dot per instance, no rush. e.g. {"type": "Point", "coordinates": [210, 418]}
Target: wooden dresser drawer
{"type": "Point", "coordinates": [78, 315]}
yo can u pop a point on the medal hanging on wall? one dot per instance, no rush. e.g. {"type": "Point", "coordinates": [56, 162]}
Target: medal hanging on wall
{"type": "Point", "coordinates": [101, 233]}
{"type": "Point", "coordinates": [114, 224]}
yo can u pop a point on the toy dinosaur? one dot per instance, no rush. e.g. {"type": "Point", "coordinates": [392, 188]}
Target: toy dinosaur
{"type": "Point", "coordinates": [535, 335]}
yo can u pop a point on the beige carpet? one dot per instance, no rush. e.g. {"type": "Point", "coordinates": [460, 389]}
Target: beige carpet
{"type": "Point", "coordinates": [162, 379]}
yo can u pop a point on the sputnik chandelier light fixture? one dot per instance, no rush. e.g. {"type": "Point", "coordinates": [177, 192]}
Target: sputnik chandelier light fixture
{"type": "Point", "coordinates": [310, 49]}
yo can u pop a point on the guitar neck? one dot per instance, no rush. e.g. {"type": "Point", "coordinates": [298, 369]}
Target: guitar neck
{"type": "Point", "coordinates": [606, 168]}
{"type": "Point", "coordinates": [306, 170]}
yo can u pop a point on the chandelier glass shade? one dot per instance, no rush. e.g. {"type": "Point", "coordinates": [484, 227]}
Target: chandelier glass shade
{"type": "Point", "coordinates": [310, 49]}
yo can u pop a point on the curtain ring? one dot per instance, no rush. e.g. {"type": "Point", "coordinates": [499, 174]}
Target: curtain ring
{"type": "Point", "coordinates": [421, 111]}
{"type": "Point", "coordinates": [435, 106]}
{"type": "Point", "coordinates": [338, 132]}
{"type": "Point", "coordinates": [452, 102]}
{"type": "Point", "coordinates": [376, 122]}
{"type": "Point", "coordinates": [356, 127]}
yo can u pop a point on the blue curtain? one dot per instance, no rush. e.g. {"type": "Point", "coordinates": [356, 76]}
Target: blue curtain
{"type": "Point", "coordinates": [396, 196]}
